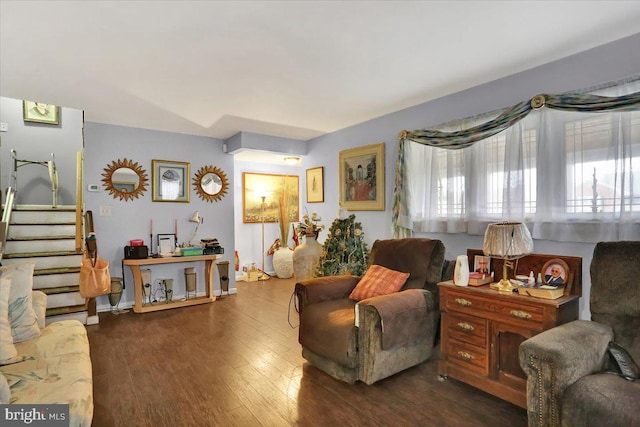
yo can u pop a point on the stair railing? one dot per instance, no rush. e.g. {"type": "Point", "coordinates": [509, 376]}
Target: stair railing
{"type": "Point", "coordinates": [6, 219]}
{"type": "Point", "coordinates": [49, 164]}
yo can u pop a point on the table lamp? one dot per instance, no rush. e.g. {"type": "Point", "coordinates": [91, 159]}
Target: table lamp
{"type": "Point", "coordinates": [507, 241]}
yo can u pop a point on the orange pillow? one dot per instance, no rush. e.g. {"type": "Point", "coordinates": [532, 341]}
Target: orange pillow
{"type": "Point", "coordinates": [378, 280]}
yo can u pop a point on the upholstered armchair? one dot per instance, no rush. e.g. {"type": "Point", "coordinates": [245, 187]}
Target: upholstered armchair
{"type": "Point", "coordinates": [379, 336]}
{"type": "Point", "coordinates": [570, 380]}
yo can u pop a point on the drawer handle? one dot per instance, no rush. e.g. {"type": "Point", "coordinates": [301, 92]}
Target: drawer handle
{"type": "Point", "coordinates": [466, 326]}
{"type": "Point", "coordinates": [463, 302]}
{"type": "Point", "coordinates": [520, 314]}
{"type": "Point", "coordinates": [466, 356]}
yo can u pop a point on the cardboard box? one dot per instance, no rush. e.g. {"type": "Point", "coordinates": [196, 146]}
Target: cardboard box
{"type": "Point", "coordinates": [251, 276]}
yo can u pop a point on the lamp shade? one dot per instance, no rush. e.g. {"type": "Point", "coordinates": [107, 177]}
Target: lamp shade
{"type": "Point", "coordinates": [196, 218]}
{"type": "Point", "coordinates": [507, 240]}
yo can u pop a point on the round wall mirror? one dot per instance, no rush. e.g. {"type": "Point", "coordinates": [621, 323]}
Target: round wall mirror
{"type": "Point", "coordinates": [210, 183]}
{"type": "Point", "coordinates": [125, 180]}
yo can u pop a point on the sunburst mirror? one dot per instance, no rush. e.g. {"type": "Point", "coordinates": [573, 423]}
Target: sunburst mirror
{"type": "Point", "coordinates": [125, 179]}
{"type": "Point", "coordinates": [211, 183]}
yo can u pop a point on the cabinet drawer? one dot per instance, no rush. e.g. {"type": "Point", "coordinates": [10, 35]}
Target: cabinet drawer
{"type": "Point", "coordinates": [469, 356]}
{"type": "Point", "coordinates": [525, 313]}
{"type": "Point", "coordinates": [460, 302]}
{"type": "Point", "coordinates": [470, 329]}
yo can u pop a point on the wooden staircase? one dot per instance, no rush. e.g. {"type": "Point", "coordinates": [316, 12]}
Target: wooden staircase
{"type": "Point", "coordinates": [46, 235]}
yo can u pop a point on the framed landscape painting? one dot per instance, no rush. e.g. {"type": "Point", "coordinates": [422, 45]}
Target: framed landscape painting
{"type": "Point", "coordinates": [361, 178]}
{"type": "Point", "coordinates": [256, 185]}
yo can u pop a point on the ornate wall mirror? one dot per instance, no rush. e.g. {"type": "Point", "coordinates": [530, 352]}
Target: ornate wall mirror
{"type": "Point", "coordinates": [125, 179]}
{"type": "Point", "coordinates": [210, 183]}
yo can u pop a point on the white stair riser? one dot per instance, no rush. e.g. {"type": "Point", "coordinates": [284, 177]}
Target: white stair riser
{"type": "Point", "coordinates": [34, 246]}
{"type": "Point", "coordinates": [48, 262]}
{"type": "Point", "coordinates": [26, 217]}
{"type": "Point", "coordinates": [56, 280]}
{"type": "Point", "coordinates": [67, 299]}
{"type": "Point", "coordinates": [81, 316]}
{"type": "Point", "coordinates": [27, 231]}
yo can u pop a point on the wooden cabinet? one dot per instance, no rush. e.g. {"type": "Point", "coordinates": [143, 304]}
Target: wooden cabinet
{"type": "Point", "coordinates": [482, 330]}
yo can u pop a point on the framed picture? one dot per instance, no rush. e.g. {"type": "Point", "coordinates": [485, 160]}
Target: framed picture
{"type": "Point", "coordinates": [482, 264]}
{"type": "Point", "coordinates": [555, 272]}
{"type": "Point", "coordinates": [38, 112]}
{"type": "Point", "coordinates": [315, 185]}
{"type": "Point", "coordinates": [361, 175]}
{"type": "Point", "coordinates": [257, 185]}
{"type": "Point", "coordinates": [170, 181]}
{"type": "Point", "coordinates": [166, 243]}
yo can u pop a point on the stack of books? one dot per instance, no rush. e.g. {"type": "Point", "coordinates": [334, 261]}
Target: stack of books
{"type": "Point", "coordinates": [479, 279]}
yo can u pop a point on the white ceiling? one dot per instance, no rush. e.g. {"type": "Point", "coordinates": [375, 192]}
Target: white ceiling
{"type": "Point", "coordinates": [296, 69]}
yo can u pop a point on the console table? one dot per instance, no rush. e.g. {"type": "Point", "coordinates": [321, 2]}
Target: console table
{"type": "Point", "coordinates": [135, 265]}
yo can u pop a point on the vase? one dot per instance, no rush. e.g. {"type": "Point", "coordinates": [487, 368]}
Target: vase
{"type": "Point", "coordinates": [461, 271]}
{"type": "Point", "coordinates": [306, 258]}
{"type": "Point", "coordinates": [283, 262]}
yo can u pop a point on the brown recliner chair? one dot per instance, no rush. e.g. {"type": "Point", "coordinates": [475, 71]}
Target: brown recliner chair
{"type": "Point", "coordinates": [394, 331]}
{"type": "Point", "coordinates": [569, 371]}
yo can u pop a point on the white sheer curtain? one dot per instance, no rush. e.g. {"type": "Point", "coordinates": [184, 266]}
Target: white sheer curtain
{"type": "Point", "coordinates": [570, 176]}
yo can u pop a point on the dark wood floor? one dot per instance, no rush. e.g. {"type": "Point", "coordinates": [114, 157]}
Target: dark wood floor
{"type": "Point", "coordinates": [236, 362]}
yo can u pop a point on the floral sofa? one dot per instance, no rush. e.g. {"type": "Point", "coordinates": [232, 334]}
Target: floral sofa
{"type": "Point", "coordinates": [38, 364]}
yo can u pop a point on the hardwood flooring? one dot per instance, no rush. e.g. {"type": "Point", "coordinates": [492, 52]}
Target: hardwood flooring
{"type": "Point", "coordinates": [237, 362]}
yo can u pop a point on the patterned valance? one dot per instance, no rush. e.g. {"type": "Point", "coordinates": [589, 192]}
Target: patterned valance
{"type": "Point", "coordinates": [569, 102]}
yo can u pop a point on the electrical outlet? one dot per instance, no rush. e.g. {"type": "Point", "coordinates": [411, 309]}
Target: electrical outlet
{"type": "Point", "coordinates": [4, 127]}
{"type": "Point", "coordinates": [105, 210]}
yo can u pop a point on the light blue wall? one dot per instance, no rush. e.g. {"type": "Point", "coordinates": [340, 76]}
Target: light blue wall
{"type": "Point", "coordinates": [609, 62]}
{"type": "Point", "coordinates": [130, 219]}
{"type": "Point", "coordinates": [36, 142]}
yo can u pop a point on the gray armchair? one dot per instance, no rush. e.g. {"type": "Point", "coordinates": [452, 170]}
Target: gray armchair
{"type": "Point", "coordinates": [569, 380]}
{"type": "Point", "coordinates": [329, 337]}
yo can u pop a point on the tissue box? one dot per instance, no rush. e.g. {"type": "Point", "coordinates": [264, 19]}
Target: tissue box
{"type": "Point", "coordinates": [191, 251]}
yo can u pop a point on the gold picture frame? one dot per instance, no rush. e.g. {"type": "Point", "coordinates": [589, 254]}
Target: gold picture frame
{"type": "Point", "coordinates": [361, 178]}
{"type": "Point", "coordinates": [555, 272]}
{"type": "Point", "coordinates": [170, 181]}
{"type": "Point", "coordinates": [315, 185]}
{"type": "Point", "coordinates": [255, 185]}
{"type": "Point", "coordinates": [39, 112]}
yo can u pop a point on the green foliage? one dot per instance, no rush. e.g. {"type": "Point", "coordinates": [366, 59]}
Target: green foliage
{"type": "Point", "coordinates": [344, 250]}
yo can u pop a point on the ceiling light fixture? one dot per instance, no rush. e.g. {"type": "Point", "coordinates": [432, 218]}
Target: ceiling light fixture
{"type": "Point", "coordinates": [291, 160]}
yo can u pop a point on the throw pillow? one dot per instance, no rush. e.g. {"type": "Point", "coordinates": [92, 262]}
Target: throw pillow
{"type": "Point", "coordinates": [5, 391]}
{"type": "Point", "coordinates": [8, 351]}
{"type": "Point", "coordinates": [378, 280]}
{"type": "Point", "coordinates": [39, 302]}
{"type": "Point", "coordinates": [22, 317]}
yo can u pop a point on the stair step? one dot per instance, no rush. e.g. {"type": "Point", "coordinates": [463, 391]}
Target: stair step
{"type": "Point", "coordinates": [44, 208]}
{"type": "Point", "coordinates": [40, 246]}
{"type": "Point", "coordinates": [61, 290]}
{"type": "Point", "coordinates": [65, 310]}
{"type": "Point", "coordinates": [55, 278]}
{"type": "Point", "coordinates": [43, 217]}
{"type": "Point", "coordinates": [79, 315]}
{"type": "Point", "coordinates": [68, 299]}
{"type": "Point", "coordinates": [57, 270]}
{"type": "Point", "coordinates": [19, 231]}
{"type": "Point", "coordinates": [47, 262]}
{"type": "Point", "coordinates": [45, 238]}
{"type": "Point", "coordinates": [41, 254]}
